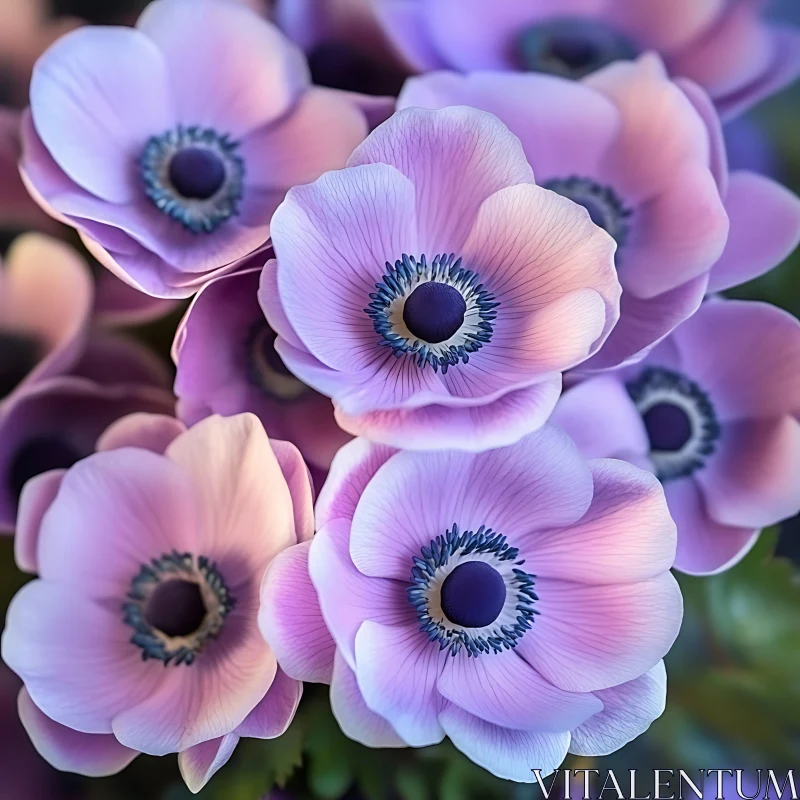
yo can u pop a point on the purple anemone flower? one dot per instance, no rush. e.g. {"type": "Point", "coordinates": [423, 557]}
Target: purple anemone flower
{"type": "Point", "coordinates": [227, 364]}
{"type": "Point", "coordinates": [712, 412]}
{"type": "Point", "coordinates": [54, 423]}
{"type": "Point", "coordinates": [169, 164]}
{"type": "Point", "coordinates": [518, 601]}
{"type": "Point", "coordinates": [140, 634]}
{"type": "Point", "coordinates": [432, 290]}
{"type": "Point", "coordinates": [648, 163]}
{"type": "Point", "coordinates": [726, 46]}
{"type": "Point", "coordinates": [45, 304]}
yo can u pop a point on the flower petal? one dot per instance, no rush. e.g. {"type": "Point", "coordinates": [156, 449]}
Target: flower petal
{"type": "Point", "coordinates": [199, 763]}
{"type": "Point", "coordinates": [37, 496]}
{"type": "Point", "coordinates": [273, 715]}
{"type": "Point", "coordinates": [154, 432]}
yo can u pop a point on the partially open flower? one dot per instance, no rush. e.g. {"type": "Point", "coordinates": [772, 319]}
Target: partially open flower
{"type": "Point", "coordinates": [168, 146]}
{"type": "Point", "coordinates": [712, 411]}
{"type": "Point", "coordinates": [227, 364]}
{"type": "Point", "coordinates": [727, 46]}
{"type": "Point", "coordinates": [140, 634]}
{"type": "Point", "coordinates": [432, 290]}
{"type": "Point", "coordinates": [518, 601]}
{"type": "Point", "coordinates": [45, 304]}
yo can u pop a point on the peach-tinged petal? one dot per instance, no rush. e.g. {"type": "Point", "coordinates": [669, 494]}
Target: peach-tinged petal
{"type": "Point", "coordinates": [154, 432]}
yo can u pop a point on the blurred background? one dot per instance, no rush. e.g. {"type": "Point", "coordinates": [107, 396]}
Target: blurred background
{"type": "Point", "coordinates": [734, 674]}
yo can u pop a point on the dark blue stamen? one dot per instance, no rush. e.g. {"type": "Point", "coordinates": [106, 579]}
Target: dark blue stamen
{"type": "Point", "coordinates": [39, 455]}
{"type": "Point", "coordinates": [402, 280]}
{"type": "Point", "coordinates": [604, 206]}
{"type": "Point", "coordinates": [195, 176]}
{"type": "Point", "coordinates": [668, 427]}
{"type": "Point", "coordinates": [571, 47]}
{"type": "Point", "coordinates": [453, 545]}
{"type": "Point", "coordinates": [434, 312]}
{"type": "Point", "coordinates": [680, 442]}
{"type": "Point", "coordinates": [176, 604]}
{"type": "Point", "coordinates": [473, 595]}
{"type": "Point", "coordinates": [19, 354]}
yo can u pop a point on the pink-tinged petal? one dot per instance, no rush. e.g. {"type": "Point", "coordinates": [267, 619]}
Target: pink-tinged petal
{"type": "Point", "coordinates": [154, 432]}
{"type": "Point", "coordinates": [705, 547]}
{"type": "Point", "coordinates": [645, 322]}
{"type": "Point", "coordinates": [505, 690]}
{"type": "Point", "coordinates": [248, 75]}
{"type": "Point", "coordinates": [565, 127]}
{"type": "Point", "coordinates": [319, 134]}
{"type": "Point", "coordinates": [37, 496]}
{"type": "Point", "coordinates": [540, 482]}
{"type": "Point", "coordinates": [502, 422]}
{"type": "Point", "coordinates": [332, 239]}
{"type": "Point", "coordinates": [765, 229]}
{"type": "Point", "coordinates": [298, 479]}
{"type": "Point", "coordinates": [241, 493]}
{"type": "Point", "coordinates": [352, 714]}
{"type": "Point", "coordinates": [783, 70]}
{"type": "Point", "coordinates": [273, 715]}
{"type": "Point", "coordinates": [552, 271]}
{"type": "Point", "coordinates": [732, 53]}
{"type": "Point", "coordinates": [75, 657]}
{"type": "Point", "coordinates": [661, 131]}
{"type": "Point", "coordinates": [743, 355]}
{"type": "Point", "coordinates": [627, 535]}
{"type": "Point", "coordinates": [587, 638]}
{"type": "Point", "coordinates": [291, 621]}
{"type": "Point", "coordinates": [751, 480]}
{"type": "Point", "coordinates": [48, 294]}
{"type": "Point", "coordinates": [137, 503]}
{"type": "Point", "coordinates": [664, 24]}
{"type": "Point", "coordinates": [199, 763]}
{"type": "Point", "coordinates": [192, 706]}
{"type": "Point", "coordinates": [678, 235]}
{"type": "Point", "coordinates": [351, 470]}
{"type": "Point", "coordinates": [91, 754]}
{"type": "Point", "coordinates": [508, 754]}
{"type": "Point", "coordinates": [397, 669]}
{"type": "Point", "coordinates": [270, 302]}
{"type": "Point", "coordinates": [346, 596]}
{"type": "Point", "coordinates": [600, 417]}
{"type": "Point", "coordinates": [455, 159]}
{"type": "Point", "coordinates": [628, 711]}
{"type": "Point", "coordinates": [97, 96]}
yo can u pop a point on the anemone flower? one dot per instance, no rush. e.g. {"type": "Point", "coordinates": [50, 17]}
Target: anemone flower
{"type": "Point", "coordinates": [517, 601]}
{"type": "Point", "coordinates": [170, 165]}
{"type": "Point", "coordinates": [712, 411]}
{"type": "Point", "coordinates": [140, 633]}
{"type": "Point", "coordinates": [726, 46]}
{"type": "Point", "coordinates": [432, 290]}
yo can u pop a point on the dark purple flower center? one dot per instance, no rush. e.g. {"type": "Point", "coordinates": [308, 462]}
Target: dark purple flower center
{"type": "Point", "coordinates": [176, 608]}
{"type": "Point", "coordinates": [668, 427]}
{"type": "Point", "coordinates": [19, 354]}
{"type": "Point", "coordinates": [434, 312]}
{"type": "Point", "coordinates": [571, 47]}
{"type": "Point", "coordinates": [473, 594]}
{"type": "Point", "coordinates": [265, 367]}
{"type": "Point", "coordinates": [197, 173]}
{"type": "Point", "coordinates": [270, 354]}
{"type": "Point", "coordinates": [37, 456]}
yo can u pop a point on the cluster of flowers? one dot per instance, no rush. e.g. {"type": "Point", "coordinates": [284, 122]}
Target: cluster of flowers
{"type": "Point", "coordinates": [551, 405]}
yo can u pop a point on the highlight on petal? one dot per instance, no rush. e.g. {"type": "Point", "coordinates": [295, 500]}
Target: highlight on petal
{"type": "Point", "coordinates": [199, 763]}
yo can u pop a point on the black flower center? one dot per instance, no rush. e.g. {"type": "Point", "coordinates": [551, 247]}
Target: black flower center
{"type": "Point", "coordinates": [19, 354]}
{"type": "Point", "coordinates": [37, 456]}
{"type": "Point", "coordinates": [668, 427]}
{"type": "Point", "coordinates": [197, 173]}
{"type": "Point", "coordinates": [176, 608]}
{"type": "Point", "coordinates": [473, 594]}
{"type": "Point", "coordinates": [434, 312]}
{"type": "Point", "coordinates": [571, 47]}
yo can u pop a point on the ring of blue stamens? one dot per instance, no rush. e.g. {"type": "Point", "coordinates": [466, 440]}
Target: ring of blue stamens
{"type": "Point", "coordinates": [604, 206]}
{"type": "Point", "coordinates": [176, 604]}
{"type": "Point", "coordinates": [456, 313]}
{"type": "Point", "coordinates": [680, 421]}
{"type": "Point", "coordinates": [195, 176]}
{"type": "Point", "coordinates": [458, 563]}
